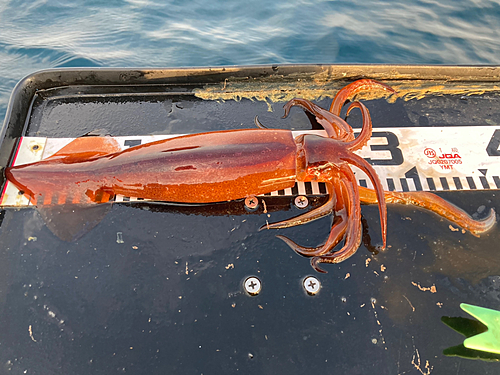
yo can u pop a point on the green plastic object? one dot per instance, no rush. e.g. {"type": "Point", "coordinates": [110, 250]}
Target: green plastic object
{"type": "Point", "coordinates": [488, 341]}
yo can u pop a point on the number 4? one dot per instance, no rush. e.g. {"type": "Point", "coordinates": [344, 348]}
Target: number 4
{"type": "Point", "coordinates": [492, 148]}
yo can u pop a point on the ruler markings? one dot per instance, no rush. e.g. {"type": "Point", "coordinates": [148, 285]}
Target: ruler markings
{"type": "Point", "coordinates": [390, 184]}
{"type": "Point", "coordinates": [496, 179]}
{"type": "Point", "coordinates": [458, 183]}
{"type": "Point", "coordinates": [404, 184]}
{"type": "Point", "coordinates": [431, 159]}
{"type": "Point", "coordinates": [301, 188]}
{"type": "Point", "coordinates": [444, 183]}
{"type": "Point", "coordinates": [308, 187]}
{"type": "Point", "coordinates": [430, 183]}
{"type": "Point", "coordinates": [315, 188]}
{"type": "Point", "coordinates": [472, 184]}
{"type": "Point", "coordinates": [484, 182]}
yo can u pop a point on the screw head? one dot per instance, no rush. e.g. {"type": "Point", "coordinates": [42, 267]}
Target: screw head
{"type": "Point", "coordinates": [251, 203]}
{"type": "Point", "coordinates": [311, 285]}
{"type": "Point", "coordinates": [252, 285]}
{"type": "Point", "coordinates": [301, 201]}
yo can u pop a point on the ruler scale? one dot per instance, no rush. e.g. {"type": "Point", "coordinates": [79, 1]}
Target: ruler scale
{"type": "Point", "coordinates": [406, 159]}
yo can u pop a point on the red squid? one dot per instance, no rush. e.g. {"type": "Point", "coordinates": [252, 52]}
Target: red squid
{"type": "Point", "coordinates": [229, 165]}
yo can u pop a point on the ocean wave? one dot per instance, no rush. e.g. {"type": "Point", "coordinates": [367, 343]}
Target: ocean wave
{"type": "Point", "coordinates": [44, 34]}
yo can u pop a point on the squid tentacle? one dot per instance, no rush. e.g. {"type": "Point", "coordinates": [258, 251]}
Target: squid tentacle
{"type": "Point", "coordinates": [353, 232]}
{"type": "Point", "coordinates": [353, 89]}
{"type": "Point", "coordinates": [435, 204]}
{"type": "Point", "coordinates": [361, 163]}
{"type": "Point", "coordinates": [335, 127]}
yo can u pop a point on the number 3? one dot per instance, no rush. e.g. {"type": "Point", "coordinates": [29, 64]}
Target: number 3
{"type": "Point", "coordinates": [391, 146]}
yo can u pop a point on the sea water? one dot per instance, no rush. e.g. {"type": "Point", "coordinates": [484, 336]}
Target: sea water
{"type": "Point", "coordinates": [40, 34]}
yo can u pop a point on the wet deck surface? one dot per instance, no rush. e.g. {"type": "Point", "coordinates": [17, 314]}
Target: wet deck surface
{"type": "Point", "coordinates": [155, 289]}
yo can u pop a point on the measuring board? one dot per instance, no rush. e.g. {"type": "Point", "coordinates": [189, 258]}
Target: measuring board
{"type": "Point", "coordinates": [405, 159]}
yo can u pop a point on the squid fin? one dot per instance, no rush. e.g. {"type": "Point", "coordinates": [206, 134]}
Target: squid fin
{"type": "Point", "coordinates": [69, 222]}
{"type": "Point", "coordinates": [85, 148]}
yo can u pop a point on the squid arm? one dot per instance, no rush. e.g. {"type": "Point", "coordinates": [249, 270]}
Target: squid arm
{"type": "Point", "coordinates": [312, 215]}
{"type": "Point", "coordinates": [339, 224]}
{"type": "Point", "coordinates": [379, 192]}
{"type": "Point", "coordinates": [353, 228]}
{"type": "Point", "coordinates": [335, 126]}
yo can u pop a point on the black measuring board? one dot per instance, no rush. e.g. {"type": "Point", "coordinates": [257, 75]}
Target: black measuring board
{"type": "Point", "coordinates": [156, 288]}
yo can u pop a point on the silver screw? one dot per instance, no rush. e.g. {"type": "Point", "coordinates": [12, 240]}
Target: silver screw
{"type": "Point", "coordinates": [251, 203]}
{"type": "Point", "coordinates": [301, 201]}
{"type": "Point", "coordinates": [311, 285]}
{"type": "Point", "coordinates": [252, 285]}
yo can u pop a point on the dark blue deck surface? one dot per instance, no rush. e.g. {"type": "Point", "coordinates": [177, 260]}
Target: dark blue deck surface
{"type": "Point", "coordinates": [168, 299]}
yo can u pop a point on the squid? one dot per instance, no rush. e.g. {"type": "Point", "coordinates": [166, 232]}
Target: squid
{"type": "Point", "coordinates": [230, 165]}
